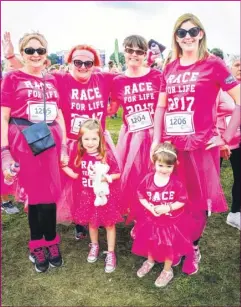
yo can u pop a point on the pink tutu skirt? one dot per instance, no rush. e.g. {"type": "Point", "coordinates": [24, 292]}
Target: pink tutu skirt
{"type": "Point", "coordinates": [84, 211]}
{"type": "Point", "coordinates": [164, 237]}
{"type": "Point", "coordinates": [66, 201]}
{"type": "Point", "coordinates": [199, 171]}
{"type": "Point", "coordinates": [134, 152]}
{"type": "Point", "coordinates": [39, 175]}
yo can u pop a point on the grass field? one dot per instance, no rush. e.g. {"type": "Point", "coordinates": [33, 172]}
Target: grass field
{"type": "Point", "coordinates": [79, 283]}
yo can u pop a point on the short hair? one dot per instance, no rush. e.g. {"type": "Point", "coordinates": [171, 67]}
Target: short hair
{"type": "Point", "coordinates": [218, 52]}
{"type": "Point", "coordinates": [231, 59]}
{"type": "Point", "coordinates": [88, 48]}
{"type": "Point", "coordinates": [28, 36]}
{"type": "Point", "coordinates": [136, 41]}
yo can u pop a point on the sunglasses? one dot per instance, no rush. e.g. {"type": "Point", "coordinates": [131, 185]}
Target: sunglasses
{"type": "Point", "coordinates": [79, 63]}
{"type": "Point", "coordinates": [193, 32]}
{"type": "Point", "coordinates": [137, 52]}
{"type": "Point", "coordinates": [31, 51]}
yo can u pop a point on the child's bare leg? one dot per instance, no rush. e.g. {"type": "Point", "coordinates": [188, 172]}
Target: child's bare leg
{"type": "Point", "coordinates": [111, 237]}
{"type": "Point", "coordinates": [93, 231]}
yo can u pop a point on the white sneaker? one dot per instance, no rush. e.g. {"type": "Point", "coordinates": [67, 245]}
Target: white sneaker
{"type": "Point", "coordinates": [233, 219]}
{"type": "Point", "coordinates": [164, 278]}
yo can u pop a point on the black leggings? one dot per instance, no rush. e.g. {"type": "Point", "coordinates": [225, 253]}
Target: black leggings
{"type": "Point", "coordinates": [235, 160]}
{"type": "Point", "coordinates": [42, 221]}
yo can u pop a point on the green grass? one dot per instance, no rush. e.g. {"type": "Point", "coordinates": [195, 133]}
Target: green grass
{"type": "Point", "coordinates": [79, 283]}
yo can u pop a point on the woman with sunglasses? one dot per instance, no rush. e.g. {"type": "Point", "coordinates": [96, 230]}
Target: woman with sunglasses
{"type": "Point", "coordinates": [191, 82]}
{"type": "Point", "coordinates": [136, 90]}
{"type": "Point", "coordinates": [84, 94]}
{"type": "Point", "coordinates": [22, 105]}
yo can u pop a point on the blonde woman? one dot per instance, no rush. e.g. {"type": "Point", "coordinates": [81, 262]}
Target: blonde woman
{"type": "Point", "coordinates": [186, 116]}
{"type": "Point", "coordinates": [21, 106]}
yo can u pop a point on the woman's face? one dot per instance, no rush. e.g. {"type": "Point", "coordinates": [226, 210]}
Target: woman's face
{"type": "Point", "coordinates": [34, 54]}
{"type": "Point", "coordinates": [82, 65]}
{"type": "Point", "coordinates": [190, 42]}
{"type": "Point", "coordinates": [134, 56]}
{"type": "Point", "coordinates": [235, 69]}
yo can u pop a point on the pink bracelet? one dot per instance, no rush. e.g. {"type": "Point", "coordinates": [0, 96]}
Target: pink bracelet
{"type": "Point", "coordinates": [9, 57]}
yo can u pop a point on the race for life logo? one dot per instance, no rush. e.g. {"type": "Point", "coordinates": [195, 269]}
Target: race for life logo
{"type": "Point", "coordinates": [230, 79]}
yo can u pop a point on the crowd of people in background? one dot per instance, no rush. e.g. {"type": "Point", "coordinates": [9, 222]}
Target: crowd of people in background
{"type": "Point", "coordinates": [180, 119]}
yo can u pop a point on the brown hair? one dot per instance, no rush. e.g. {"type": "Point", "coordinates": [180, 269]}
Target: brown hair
{"type": "Point", "coordinates": [165, 153]}
{"type": "Point", "coordinates": [90, 124]}
{"type": "Point", "coordinates": [88, 48]}
{"type": "Point", "coordinates": [136, 41]}
{"type": "Point", "coordinates": [28, 36]}
{"type": "Point", "coordinates": [177, 51]}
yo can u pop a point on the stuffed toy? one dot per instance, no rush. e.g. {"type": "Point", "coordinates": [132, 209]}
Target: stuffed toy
{"type": "Point", "coordinates": [101, 188]}
{"type": "Point", "coordinates": [155, 50]}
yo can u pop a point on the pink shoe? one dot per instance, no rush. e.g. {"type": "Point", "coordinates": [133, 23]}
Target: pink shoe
{"type": "Point", "coordinates": [190, 265]}
{"type": "Point", "coordinates": [145, 268]}
{"type": "Point", "coordinates": [164, 278]}
{"type": "Point", "coordinates": [110, 262]}
{"type": "Point", "coordinates": [94, 251]}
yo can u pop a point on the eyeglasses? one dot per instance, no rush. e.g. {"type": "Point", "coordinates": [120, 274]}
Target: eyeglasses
{"type": "Point", "coordinates": [193, 32]}
{"type": "Point", "coordinates": [31, 51]}
{"type": "Point", "coordinates": [79, 64]}
{"type": "Point", "coordinates": [137, 51]}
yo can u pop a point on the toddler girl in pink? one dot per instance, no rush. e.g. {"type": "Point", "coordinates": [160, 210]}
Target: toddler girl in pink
{"type": "Point", "coordinates": [90, 152]}
{"type": "Point", "coordinates": [162, 230]}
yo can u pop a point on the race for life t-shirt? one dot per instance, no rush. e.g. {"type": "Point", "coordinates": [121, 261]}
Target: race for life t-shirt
{"type": "Point", "coordinates": [138, 96]}
{"type": "Point", "coordinates": [191, 100]}
{"type": "Point", "coordinates": [80, 101]}
{"type": "Point", "coordinates": [24, 94]}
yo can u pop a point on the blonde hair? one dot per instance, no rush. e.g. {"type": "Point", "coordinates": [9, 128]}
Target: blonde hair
{"type": "Point", "coordinates": [167, 60]}
{"type": "Point", "coordinates": [165, 153]}
{"type": "Point", "coordinates": [177, 51]}
{"type": "Point", "coordinates": [28, 36]}
{"type": "Point", "coordinates": [90, 124]}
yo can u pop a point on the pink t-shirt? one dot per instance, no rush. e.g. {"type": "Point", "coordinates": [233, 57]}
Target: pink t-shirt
{"type": "Point", "coordinates": [190, 119]}
{"type": "Point", "coordinates": [173, 191]}
{"type": "Point", "coordinates": [80, 101]}
{"type": "Point", "coordinates": [225, 107]}
{"type": "Point", "coordinates": [24, 94]}
{"type": "Point", "coordinates": [87, 161]}
{"type": "Point", "coordinates": [136, 95]}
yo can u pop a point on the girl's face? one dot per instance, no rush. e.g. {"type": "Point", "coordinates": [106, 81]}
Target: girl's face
{"type": "Point", "coordinates": [163, 168]}
{"type": "Point", "coordinates": [91, 141]}
{"type": "Point", "coordinates": [189, 43]}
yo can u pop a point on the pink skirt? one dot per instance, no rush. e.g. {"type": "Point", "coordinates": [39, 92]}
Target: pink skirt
{"type": "Point", "coordinates": [39, 175]}
{"type": "Point", "coordinates": [164, 238]}
{"type": "Point", "coordinates": [66, 202]}
{"type": "Point", "coordinates": [199, 171]}
{"type": "Point", "coordinates": [84, 211]}
{"type": "Point", "coordinates": [134, 152]}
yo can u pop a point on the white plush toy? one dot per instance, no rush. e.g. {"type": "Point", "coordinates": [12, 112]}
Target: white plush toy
{"type": "Point", "coordinates": [101, 189]}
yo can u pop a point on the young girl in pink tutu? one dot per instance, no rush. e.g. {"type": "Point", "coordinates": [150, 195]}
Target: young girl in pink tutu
{"type": "Point", "coordinates": [162, 230]}
{"type": "Point", "coordinates": [90, 152]}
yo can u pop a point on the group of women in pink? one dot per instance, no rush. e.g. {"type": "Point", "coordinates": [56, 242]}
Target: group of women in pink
{"type": "Point", "coordinates": [163, 173]}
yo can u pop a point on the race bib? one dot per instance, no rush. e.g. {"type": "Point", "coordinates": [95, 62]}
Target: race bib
{"type": "Point", "coordinates": [36, 112]}
{"type": "Point", "coordinates": [139, 121]}
{"type": "Point", "coordinates": [179, 123]}
{"type": "Point", "coordinates": [76, 124]}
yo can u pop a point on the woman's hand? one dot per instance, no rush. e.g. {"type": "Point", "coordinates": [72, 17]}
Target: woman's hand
{"type": "Point", "coordinates": [64, 157]}
{"type": "Point", "coordinates": [225, 152]}
{"type": "Point", "coordinates": [7, 45]}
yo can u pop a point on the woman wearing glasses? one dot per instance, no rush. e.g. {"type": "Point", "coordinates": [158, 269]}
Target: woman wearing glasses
{"type": "Point", "coordinates": [186, 116]}
{"type": "Point", "coordinates": [84, 94]}
{"type": "Point", "coordinates": [21, 106]}
{"type": "Point", "coordinates": [137, 92]}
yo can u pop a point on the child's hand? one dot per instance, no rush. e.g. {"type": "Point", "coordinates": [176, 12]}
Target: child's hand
{"type": "Point", "coordinates": [152, 210]}
{"type": "Point", "coordinates": [161, 209]}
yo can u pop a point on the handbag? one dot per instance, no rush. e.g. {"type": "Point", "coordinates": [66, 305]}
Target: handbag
{"type": "Point", "coordinates": [39, 136]}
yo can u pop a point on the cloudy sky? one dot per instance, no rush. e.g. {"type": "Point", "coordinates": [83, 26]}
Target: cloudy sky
{"type": "Point", "coordinates": [67, 23]}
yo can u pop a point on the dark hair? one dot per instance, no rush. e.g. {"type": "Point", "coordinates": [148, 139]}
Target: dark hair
{"type": "Point", "coordinates": [218, 52]}
{"type": "Point", "coordinates": [161, 47]}
{"type": "Point", "coordinates": [136, 41]}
